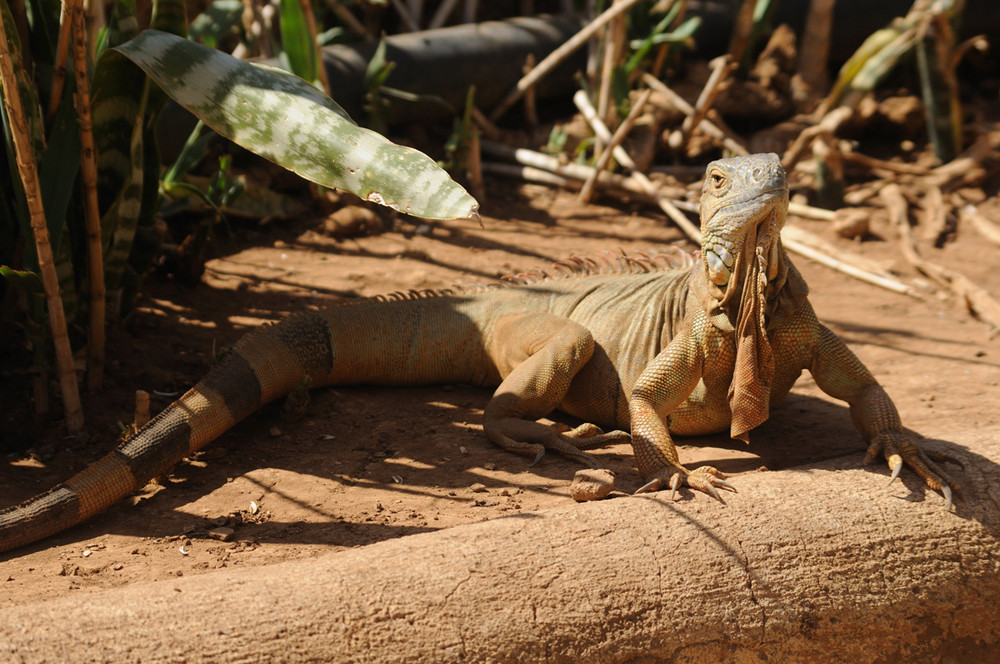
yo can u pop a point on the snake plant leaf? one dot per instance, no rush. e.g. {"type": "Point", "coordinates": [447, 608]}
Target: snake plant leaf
{"type": "Point", "coordinates": [283, 118]}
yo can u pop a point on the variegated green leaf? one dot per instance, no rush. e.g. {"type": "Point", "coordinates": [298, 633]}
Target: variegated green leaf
{"type": "Point", "coordinates": [281, 117]}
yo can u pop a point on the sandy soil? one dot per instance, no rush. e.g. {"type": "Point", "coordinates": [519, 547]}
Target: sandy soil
{"type": "Point", "coordinates": [365, 465]}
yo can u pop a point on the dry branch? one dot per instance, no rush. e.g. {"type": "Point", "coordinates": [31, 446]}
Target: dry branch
{"type": "Point", "coordinates": [826, 127]}
{"type": "Point", "coordinates": [28, 172]}
{"type": "Point", "coordinates": [59, 67]}
{"type": "Point", "coordinates": [552, 60]}
{"type": "Point", "coordinates": [976, 298]}
{"type": "Point", "coordinates": [731, 143]}
{"type": "Point", "coordinates": [92, 215]}
{"type": "Point", "coordinates": [623, 158]}
{"type": "Point", "coordinates": [722, 67]}
{"type": "Point", "coordinates": [984, 226]}
{"type": "Point", "coordinates": [794, 569]}
{"type": "Point", "coordinates": [620, 133]}
{"type": "Point", "coordinates": [803, 243]}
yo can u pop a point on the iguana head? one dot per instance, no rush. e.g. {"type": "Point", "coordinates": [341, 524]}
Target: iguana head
{"type": "Point", "coordinates": [743, 206]}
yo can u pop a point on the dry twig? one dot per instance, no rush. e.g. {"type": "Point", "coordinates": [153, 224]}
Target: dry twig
{"type": "Point", "coordinates": [92, 215]}
{"type": "Point", "coordinates": [722, 67]}
{"type": "Point", "coordinates": [59, 70]}
{"type": "Point", "coordinates": [623, 158]}
{"type": "Point", "coordinates": [620, 133]}
{"type": "Point", "coordinates": [826, 127]}
{"type": "Point", "coordinates": [976, 299]}
{"type": "Point", "coordinates": [553, 59]}
{"type": "Point", "coordinates": [984, 226]}
{"type": "Point", "coordinates": [731, 143]}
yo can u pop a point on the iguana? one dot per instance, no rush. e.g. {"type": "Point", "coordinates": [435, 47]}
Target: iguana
{"type": "Point", "coordinates": [689, 344]}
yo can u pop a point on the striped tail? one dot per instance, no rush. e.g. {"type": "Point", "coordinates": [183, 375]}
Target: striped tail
{"type": "Point", "coordinates": [264, 365]}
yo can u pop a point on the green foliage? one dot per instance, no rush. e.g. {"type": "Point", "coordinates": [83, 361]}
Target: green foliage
{"type": "Point", "coordinates": [282, 118]}
{"type": "Point", "coordinates": [265, 110]}
{"type": "Point", "coordinates": [301, 54]}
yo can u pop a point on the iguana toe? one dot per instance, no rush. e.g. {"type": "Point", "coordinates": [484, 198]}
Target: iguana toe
{"type": "Point", "coordinates": [899, 450]}
{"type": "Point", "coordinates": [705, 479]}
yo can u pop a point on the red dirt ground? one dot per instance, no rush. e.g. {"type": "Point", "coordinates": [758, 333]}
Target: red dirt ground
{"type": "Point", "coordinates": [369, 464]}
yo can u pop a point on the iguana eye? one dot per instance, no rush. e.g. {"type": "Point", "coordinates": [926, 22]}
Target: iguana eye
{"type": "Point", "coordinates": [717, 179]}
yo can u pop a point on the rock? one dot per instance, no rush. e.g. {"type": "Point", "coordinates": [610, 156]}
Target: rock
{"type": "Point", "coordinates": [591, 484]}
{"type": "Point", "coordinates": [223, 534]}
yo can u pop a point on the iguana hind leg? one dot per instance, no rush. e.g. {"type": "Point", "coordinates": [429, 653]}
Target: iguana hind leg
{"type": "Point", "coordinates": [537, 356]}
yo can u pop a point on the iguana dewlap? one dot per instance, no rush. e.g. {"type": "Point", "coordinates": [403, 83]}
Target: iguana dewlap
{"type": "Point", "coordinates": [671, 343]}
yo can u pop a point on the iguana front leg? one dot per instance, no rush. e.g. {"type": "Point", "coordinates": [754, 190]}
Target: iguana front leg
{"type": "Point", "coordinates": [839, 373]}
{"type": "Point", "coordinates": [663, 386]}
{"type": "Point", "coordinates": [537, 356]}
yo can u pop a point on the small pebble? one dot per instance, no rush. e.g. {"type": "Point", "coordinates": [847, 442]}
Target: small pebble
{"type": "Point", "coordinates": [478, 488]}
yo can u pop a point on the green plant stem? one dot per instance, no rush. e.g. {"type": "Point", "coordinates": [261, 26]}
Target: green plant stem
{"type": "Point", "coordinates": [46, 264]}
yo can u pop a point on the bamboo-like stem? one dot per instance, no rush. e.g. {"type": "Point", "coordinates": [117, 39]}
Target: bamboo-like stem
{"type": "Point", "coordinates": [46, 263]}
{"type": "Point", "coordinates": [92, 215]}
{"type": "Point", "coordinates": [59, 73]}
{"type": "Point", "coordinates": [706, 125]}
{"type": "Point", "coordinates": [620, 133]}
{"type": "Point", "coordinates": [623, 158]}
{"type": "Point", "coordinates": [552, 60]}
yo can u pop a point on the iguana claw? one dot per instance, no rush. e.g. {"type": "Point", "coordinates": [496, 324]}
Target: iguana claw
{"type": "Point", "coordinates": [896, 468]}
{"type": "Point", "coordinates": [899, 450]}
{"type": "Point", "coordinates": [705, 479]}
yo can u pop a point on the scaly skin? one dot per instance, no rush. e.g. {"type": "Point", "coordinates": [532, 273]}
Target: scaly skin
{"type": "Point", "coordinates": [677, 333]}
{"type": "Point", "coordinates": [748, 334]}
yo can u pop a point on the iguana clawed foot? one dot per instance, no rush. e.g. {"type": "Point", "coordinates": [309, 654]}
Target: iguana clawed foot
{"type": "Point", "coordinates": [899, 449]}
{"type": "Point", "coordinates": [706, 479]}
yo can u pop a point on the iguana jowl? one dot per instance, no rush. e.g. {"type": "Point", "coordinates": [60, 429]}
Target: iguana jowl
{"type": "Point", "coordinates": [676, 344]}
